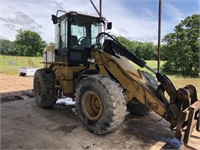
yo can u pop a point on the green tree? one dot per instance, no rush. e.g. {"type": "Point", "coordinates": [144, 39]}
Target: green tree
{"type": "Point", "coordinates": [131, 45]}
{"type": "Point", "coordinates": [182, 48]}
{"type": "Point", "coordinates": [146, 50]}
{"type": "Point", "coordinates": [7, 47]}
{"type": "Point", "coordinates": [29, 43]}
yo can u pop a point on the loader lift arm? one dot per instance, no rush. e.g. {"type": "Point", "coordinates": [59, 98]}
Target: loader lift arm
{"type": "Point", "coordinates": [182, 109]}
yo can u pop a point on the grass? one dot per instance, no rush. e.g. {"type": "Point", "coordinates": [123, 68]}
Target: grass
{"type": "Point", "coordinates": [10, 65]}
{"type": "Point", "coordinates": [150, 63]}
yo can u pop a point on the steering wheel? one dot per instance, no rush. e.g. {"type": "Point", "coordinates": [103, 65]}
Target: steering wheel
{"type": "Point", "coordinates": [80, 39]}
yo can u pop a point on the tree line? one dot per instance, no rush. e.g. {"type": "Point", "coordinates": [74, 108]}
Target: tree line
{"type": "Point", "coordinates": [180, 49]}
{"type": "Point", "coordinates": [27, 43]}
{"type": "Point", "coordinates": [144, 50]}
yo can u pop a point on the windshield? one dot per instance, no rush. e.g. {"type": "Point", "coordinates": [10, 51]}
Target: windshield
{"type": "Point", "coordinates": [83, 32]}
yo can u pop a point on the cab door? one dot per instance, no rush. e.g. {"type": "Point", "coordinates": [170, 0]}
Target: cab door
{"type": "Point", "coordinates": [79, 44]}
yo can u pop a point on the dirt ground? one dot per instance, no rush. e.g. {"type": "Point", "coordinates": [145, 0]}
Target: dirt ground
{"type": "Point", "coordinates": [10, 83]}
{"type": "Point", "coordinates": [25, 126]}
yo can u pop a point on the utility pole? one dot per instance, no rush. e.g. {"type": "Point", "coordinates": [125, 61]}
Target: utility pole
{"type": "Point", "coordinates": [159, 34]}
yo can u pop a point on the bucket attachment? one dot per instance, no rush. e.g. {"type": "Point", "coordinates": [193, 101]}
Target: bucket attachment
{"type": "Point", "coordinates": [187, 121]}
{"type": "Point", "coordinates": [188, 114]}
{"type": "Point", "coordinates": [184, 108]}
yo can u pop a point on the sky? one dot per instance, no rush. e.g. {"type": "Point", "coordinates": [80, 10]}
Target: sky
{"type": "Point", "coordinates": [133, 19]}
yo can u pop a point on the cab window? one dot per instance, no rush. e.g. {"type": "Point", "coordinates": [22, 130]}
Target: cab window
{"type": "Point", "coordinates": [79, 37]}
{"type": "Point", "coordinates": [94, 32]}
{"type": "Point", "coordinates": [63, 35]}
{"type": "Point", "coordinates": [79, 31]}
{"type": "Point", "coordinates": [57, 36]}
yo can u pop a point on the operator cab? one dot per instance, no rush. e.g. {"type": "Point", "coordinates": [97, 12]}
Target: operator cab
{"type": "Point", "coordinates": [74, 35]}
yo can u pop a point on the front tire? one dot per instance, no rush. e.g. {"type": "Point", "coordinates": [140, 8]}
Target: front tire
{"type": "Point", "coordinates": [100, 104]}
{"type": "Point", "coordinates": [44, 80]}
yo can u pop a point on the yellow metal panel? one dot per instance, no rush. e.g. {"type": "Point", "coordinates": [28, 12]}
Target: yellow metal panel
{"type": "Point", "coordinates": [67, 86]}
{"type": "Point", "coordinates": [99, 62]}
{"type": "Point", "coordinates": [132, 80]}
{"type": "Point", "coordinates": [77, 69]}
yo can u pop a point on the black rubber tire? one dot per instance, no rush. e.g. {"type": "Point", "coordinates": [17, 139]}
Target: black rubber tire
{"type": "Point", "coordinates": [151, 79]}
{"type": "Point", "coordinates": [43, 83]}
{"type": "Point", "coordinates": [138, 108]}
{"type": "Point", "coordinates": [114, 106]}
{"type": "Point", "coordinates": [22, 74]}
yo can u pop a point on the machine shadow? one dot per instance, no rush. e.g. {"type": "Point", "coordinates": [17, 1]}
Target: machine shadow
{"type": "Point", "coordinates": [149, 131]}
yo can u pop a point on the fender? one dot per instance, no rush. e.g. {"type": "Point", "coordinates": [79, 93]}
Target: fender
{"type": "Point", "coordinates": [84, 74]}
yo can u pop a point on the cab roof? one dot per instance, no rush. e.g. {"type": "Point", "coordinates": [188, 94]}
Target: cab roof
{"type": "Point", "coordinates": [73, 14]}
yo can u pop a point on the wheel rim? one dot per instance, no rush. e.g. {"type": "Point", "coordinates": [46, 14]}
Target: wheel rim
{"type": "Point", "coordinates": [92, 105]}
{"type": "Point", "coordinates": [38, 88]}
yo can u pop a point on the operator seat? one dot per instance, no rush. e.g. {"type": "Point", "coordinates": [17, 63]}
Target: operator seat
{"type": "Point", "coordinates": [73, 41]}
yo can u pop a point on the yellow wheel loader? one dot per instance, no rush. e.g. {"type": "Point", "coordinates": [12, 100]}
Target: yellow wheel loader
{"type": "Point", "coordinates": [97, 72]}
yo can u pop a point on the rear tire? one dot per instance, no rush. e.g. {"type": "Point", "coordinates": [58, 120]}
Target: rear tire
{"type": "Point", "coordinates": [138, 108]}
{"type": "Point", "coordinates": [151, 79]}
{"type": "Point", "coordinates": [100, 104]}
{"type": "Point", "coordinates": [44, 80]}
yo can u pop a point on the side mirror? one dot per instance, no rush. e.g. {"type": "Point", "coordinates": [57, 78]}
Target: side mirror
{"type": "Point", "coordinates": [109, 25]}
{"type": "Point", "coordinates": [54, 19]}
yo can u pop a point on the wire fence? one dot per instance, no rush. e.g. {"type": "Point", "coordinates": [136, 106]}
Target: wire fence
{"type": "Point", "coordinates": [31, 63]}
